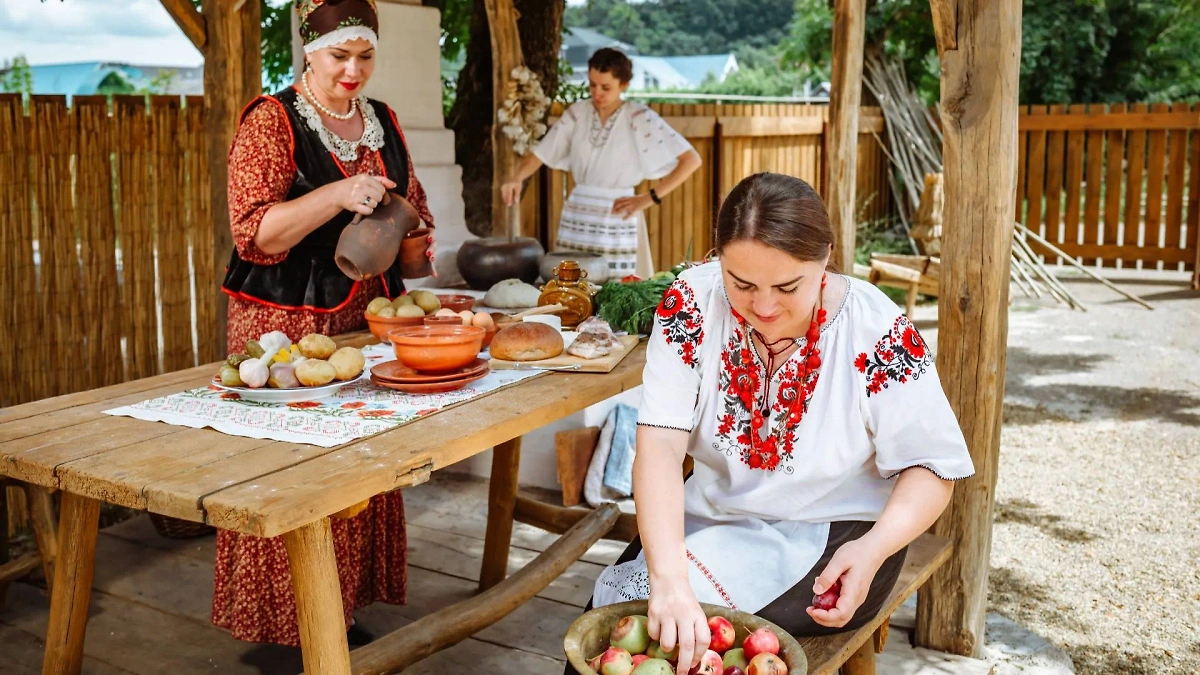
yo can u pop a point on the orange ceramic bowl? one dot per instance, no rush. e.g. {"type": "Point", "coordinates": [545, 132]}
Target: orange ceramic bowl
{"type": "Point", "coordinates": [443, 321]}
{"type": "Point", "coordinates": [380, 325]}
{"type": "Point", "coordinates": [458, 303]}
{"type": "Point", "coordinates": [437, 349]}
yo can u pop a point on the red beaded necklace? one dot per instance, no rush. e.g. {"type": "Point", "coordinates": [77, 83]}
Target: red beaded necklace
{"type": "Point", "coordinates": [764, 452]}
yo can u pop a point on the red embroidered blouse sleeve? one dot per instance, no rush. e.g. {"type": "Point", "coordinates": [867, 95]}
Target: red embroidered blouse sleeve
{"type": "Point", "coordinates": [261, 171]}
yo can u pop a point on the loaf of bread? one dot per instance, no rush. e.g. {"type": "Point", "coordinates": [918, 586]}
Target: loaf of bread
{"type": "Point", "coordinates": [527, 341]}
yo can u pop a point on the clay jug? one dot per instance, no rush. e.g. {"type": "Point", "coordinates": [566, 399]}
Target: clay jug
{"type": "Point", "coordinates": [370, 244]}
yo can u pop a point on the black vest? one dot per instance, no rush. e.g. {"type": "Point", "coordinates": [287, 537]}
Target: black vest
{"type": "Point", "coordinates": [309, 278]}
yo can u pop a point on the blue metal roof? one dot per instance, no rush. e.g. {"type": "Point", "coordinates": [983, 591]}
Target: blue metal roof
{"type": "Point", "coordinates": [78, 78]}
{"type": "Point", "coordinates": [696, 68]}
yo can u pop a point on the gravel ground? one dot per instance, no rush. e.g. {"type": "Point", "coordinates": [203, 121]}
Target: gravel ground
{"type": "Point", "coordinates": [1097, 527]}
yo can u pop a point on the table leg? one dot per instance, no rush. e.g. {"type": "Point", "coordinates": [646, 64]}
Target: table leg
{"type": "Point", "coordinates": [502, 499]}
{"type": "Point", "coordinates": [3, 539]}
{"type": "Point", "coordinates": [862, 662]}
{"type": "Point", "coordinates": [318, 599]}
{"type": "Point", "coordinates": [72, 585]}
{"type": "Point", "coordinates": [45, 528]}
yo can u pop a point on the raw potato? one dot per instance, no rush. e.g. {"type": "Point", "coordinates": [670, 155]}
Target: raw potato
{"type": "Point", "coordinates": [409, 311]}
{"type": "Point", "coordinates": [378, 304]}
{"type": "Point", "coordinates": [316, 346]}
{"type": "Point", "coordinates": [402, 301]}
{"type": "Point", "coordinates": [426, 301]}
{"type": "Point", "coordinates": [388, 313]}
{"type": "Point", "coordinates": [348, 362]}
{"type": "Point", "coordinates": [315, 373]}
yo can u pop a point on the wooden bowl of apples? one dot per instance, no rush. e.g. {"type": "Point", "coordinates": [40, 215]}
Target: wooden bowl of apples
{"type": "Point", "coordinates": [613, 640]}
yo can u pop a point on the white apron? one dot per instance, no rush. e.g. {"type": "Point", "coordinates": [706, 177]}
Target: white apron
{"type": "Point", "coordinates": [588, 224]}
{"type": "Point", "coordinates": [753, 531]}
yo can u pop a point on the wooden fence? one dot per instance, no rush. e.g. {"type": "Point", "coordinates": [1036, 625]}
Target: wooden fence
{"type": "Point", "coordinates": [1116, 185]}
{"type": "Point", "coordinates": [734, 141]}
{"type": "Point", "coordinates": [106, 234]}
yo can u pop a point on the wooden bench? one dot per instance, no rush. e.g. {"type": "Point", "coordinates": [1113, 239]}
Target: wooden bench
{"type": "Point", "coordinates": [854, 652]}
{"type": "Point", "coordinates": [40, 506]}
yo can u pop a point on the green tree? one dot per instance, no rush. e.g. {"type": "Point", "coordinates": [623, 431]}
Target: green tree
{"type": "Point", "coordinates": [16, 76]}
{"type": "Point", "coordinates": [676, 27]}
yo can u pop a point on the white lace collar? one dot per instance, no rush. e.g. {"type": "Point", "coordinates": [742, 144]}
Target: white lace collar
{"type": "Point", "coordinates": [346, 151]}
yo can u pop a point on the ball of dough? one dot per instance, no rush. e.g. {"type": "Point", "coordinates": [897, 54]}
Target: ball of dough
{"type": "Point", "coordinates": [316, 346]}
{"type": "Point", "coordinates": [348, 362]}
{"type": "Point", "coordinates": [315, 373]}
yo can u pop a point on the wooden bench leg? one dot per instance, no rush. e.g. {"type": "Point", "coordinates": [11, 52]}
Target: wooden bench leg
{"type": "Point", "coordinates": [881, 636]}
{"type": "Point", "coordinates": [45, 528]}
{"type": "Point", "coordinates": [911, 300]}
{"type": "Point", "coordinates": [502, 499]}
{"type": "Point", "coordinates": [72, 585]}
{"type": "Point", "coordinates": [318, 599]}
{"type": "Point", "coordinates": [862, 662]}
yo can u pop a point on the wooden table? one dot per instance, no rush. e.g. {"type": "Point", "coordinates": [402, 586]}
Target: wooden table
{"type": "Point", "coordinates": [269, 488]}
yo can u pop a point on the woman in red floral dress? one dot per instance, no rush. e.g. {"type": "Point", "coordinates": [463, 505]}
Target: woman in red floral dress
{"type": "Point", "coordinates": [295, 182]}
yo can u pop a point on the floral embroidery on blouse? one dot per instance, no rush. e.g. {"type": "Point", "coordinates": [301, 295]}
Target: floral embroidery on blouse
{"type": "Point", "coordinates": [741, 378]}
{"type": "Point", "coordinates": [682, 324]}
{"type": "Point", "coordinates": [899, 356]}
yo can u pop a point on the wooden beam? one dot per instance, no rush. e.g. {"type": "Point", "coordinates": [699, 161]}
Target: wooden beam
{"type": "Point", "coordinates": [190, 21]}
{"type": "Point", "coordinates": [506, 55]}
{"type": "Point", "coordinates": [1102, 120]}
{"type": "Point", "coordinates": [451, 625]}
{"type": "Point", "coordinates": [849, 17]}
{"type": "Point", "coordinates": [980, 69]}
{"type": "Point", "coordinates": [232, 78]}
{"type": "Point", "coordinates": [502, 498]}
{"type": "Point", "coordinates": [559, 519]}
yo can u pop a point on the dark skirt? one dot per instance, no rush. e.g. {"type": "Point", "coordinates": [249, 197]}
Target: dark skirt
{"type": "Point", "coordinates": [788, 610]}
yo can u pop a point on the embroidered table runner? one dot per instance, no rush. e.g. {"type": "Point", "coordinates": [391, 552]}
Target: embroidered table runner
{"type": "Point", "coordinates": [357, 410]}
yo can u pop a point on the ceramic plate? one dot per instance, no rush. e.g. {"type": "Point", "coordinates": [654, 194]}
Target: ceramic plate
{"type": "Point", "coordinates": [394, 371]}
{"type": "Point", "coordinates": [293, 395]}
{"type": "Point", "coordinates": [429, 387]}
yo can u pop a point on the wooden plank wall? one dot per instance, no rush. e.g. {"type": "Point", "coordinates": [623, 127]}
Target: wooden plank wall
{"type": "Point", "coordinates": [104, 202]}
{"type": "Point", "coordinates": [1117, 185]}
{"type": "Point", "coordinates": [733, 141]}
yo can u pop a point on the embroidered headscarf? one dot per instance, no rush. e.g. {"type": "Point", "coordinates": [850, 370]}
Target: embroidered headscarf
{"type": "Point", "coordinates": [325, 23]}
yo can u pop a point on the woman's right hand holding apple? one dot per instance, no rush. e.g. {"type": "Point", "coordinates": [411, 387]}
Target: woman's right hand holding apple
{"type": "Point", "coordinates": [677, 619]}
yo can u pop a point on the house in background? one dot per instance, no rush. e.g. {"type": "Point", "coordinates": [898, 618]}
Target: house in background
{"type": "Point", "coordinates": [649, 72]}
{"type": "Point", "coordinates": [91, 77]}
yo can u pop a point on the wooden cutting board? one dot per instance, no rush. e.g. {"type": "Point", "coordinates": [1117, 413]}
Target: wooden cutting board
{"type": "Point", "coordinates": [604, 364]}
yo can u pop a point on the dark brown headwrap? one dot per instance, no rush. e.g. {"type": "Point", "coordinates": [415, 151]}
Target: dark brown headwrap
{"type": "Point", "coordinates": [325, 23]}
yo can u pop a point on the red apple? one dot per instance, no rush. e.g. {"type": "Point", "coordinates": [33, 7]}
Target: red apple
{"type": "Point", "coordinates": [594, 664]}
{"type": "Point", "coordinates": [723, 635]}
{"type": "Point", "coordinates": [761, 641]}
{"type": "Point", "coordinates": [616, 661]}
{"type": "Point", "coordinates": [767, 664]}
{"type": "Point", "coordinates": [638, 658]}
{"type": "Point", "coordinates": [736, 657]}
{"type": "Point", "coordinates": [733, 670]}
{"type": "Point", "coordinates": [631, 634]}
{"type": "Point", "coordinates": [828, 599]}
{"type": "Point", "coordinates": [710, 664]}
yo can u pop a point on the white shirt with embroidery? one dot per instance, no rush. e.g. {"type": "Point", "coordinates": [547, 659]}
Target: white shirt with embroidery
{"type": "Point", "coordinates": [633, 145]}
{"type": "Point", "coordinates": [756, 524]}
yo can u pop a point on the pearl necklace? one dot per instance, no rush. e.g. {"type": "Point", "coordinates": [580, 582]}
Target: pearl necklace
{"type": "Point", "coordinates": [317, 104]}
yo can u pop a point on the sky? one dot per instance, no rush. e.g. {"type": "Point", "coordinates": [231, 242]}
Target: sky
{"type": "Point", "coordinates": [139, 32]}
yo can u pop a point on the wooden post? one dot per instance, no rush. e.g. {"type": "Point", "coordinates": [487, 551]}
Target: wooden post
{"type": "Point", "coordinates": [232, 78]}
{"type": "Point", "coordinates": [72, 585]}
{"type": "Point", "coordinates": [979, 42]}
{"type": "Point", "coordinates": [506, 55]}
{"type": "Point", "coordinates": [318, 599]}
{"type": "Point", "coordinates": [862, 661]}
{"type": "Point", "coordinates": [45, 527]}
{"type": "Point", "coordinates": [841, 140]}
{"type": "Point", "coordinates": [502, 500]}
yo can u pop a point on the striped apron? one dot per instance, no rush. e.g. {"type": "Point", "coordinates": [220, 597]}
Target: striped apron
{"type": "Point", "coordinates": [588, 224]}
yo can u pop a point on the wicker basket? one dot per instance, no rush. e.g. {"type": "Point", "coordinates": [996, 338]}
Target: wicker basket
{"type": "Point", "coordinates": [174, 528]}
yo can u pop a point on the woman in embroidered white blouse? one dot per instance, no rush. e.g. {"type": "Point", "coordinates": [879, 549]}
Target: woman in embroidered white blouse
{"type": "Point", "coordinates": [822, 440]}
{"type": "Point", "coordinates": [610, 146]}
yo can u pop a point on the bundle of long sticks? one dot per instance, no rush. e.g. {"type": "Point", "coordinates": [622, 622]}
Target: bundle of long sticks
{"type": "Point", "coordinates": [914, 148]}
